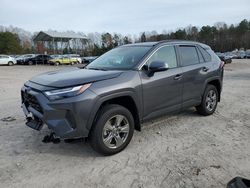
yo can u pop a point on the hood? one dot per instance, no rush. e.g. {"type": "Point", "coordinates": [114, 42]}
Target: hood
{"type": "Point", "coordinates": [72, 77]}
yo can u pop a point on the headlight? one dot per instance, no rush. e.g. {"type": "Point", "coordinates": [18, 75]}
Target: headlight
{"type": "Point", "coordinates": [66, 92]}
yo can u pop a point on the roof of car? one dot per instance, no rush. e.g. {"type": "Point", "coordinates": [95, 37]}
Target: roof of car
{"type": "Point", "coordinates": [151, 44]}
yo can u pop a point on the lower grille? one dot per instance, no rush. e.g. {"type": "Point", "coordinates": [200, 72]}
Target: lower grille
{"type": "Point", "coordinates": [30, 100]}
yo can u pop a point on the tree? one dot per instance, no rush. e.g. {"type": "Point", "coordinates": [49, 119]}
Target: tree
{"type": "Point", "coordinates": [107, 40]}
{"type": "Point", "coordinates": [143, 37]}
{"type": "Point", "coordinates": [127, 40]}
{"type": "Point", "coordinates": [9, 43]}
{"type": "Point", "coordinates": [180, 34]}
{"type": "Point", "coordinates": [116, 40]}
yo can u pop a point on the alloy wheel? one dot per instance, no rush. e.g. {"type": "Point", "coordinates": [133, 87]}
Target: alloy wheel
{"type": "Point", "coordinates": [211, 100]}
{"type": "Point", "coordinates": [115, 131]}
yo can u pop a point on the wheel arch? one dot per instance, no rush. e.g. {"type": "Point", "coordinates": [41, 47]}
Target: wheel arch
{"type": "Point", "coordinates": [217, 83]}
{"type": "Point", "coordinates": [126, 100]}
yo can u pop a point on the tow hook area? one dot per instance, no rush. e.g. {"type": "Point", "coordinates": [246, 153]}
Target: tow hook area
{"type": "Point", "coordinates": [51, 138]}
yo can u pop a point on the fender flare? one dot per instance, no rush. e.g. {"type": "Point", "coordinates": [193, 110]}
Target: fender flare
{"type": "Point", "coordinates": [217, 78]}
{"type": "Point", "coordinates": [102, 99]}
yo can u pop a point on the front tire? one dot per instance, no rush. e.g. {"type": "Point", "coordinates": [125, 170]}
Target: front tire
{"type": "Point", "coordinates": [209, 101]}
{"type": "Point", "coordinates": [113, 130]}
{"type": "Point", "coordinates": [30, 63]}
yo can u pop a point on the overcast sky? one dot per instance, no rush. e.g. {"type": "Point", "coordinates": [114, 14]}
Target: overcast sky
{"type": "Point", "coordinates": [122, 16]}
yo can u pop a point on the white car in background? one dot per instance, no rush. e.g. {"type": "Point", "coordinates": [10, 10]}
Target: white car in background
{"type": "Point", "coordinates": [7, 60]}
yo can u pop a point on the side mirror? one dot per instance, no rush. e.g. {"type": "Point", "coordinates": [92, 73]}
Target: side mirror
{"type": "Point", "coordinates": [157, 66]}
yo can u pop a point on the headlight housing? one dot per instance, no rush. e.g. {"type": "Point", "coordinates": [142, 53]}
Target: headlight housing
{"type": "Point", "coordinates": [66, 92]}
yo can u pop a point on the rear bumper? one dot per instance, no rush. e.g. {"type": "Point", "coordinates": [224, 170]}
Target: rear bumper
{"type": "Point", "coordinates": [67, 118]}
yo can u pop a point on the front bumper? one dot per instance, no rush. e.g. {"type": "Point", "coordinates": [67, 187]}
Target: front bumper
{"type": "Point", "coordinates": [67, 118]}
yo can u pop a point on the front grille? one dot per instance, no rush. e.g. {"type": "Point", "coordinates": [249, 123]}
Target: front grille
{"type": "Point", "coordinates": [30, 100]}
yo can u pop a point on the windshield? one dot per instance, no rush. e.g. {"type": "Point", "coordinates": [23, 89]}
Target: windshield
{"type": "Point", "coordinates": [120, 58]}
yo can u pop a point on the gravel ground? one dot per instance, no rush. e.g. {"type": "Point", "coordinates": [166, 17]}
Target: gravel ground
{"type": "Point", "coordinates": [184, 150]}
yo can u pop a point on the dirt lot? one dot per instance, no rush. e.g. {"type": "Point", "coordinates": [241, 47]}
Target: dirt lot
{"type": "Point", "coordinates": [185, 150]}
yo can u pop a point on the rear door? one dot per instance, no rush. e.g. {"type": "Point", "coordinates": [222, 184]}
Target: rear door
{"type": "Point", "coordinates": [4, 59]}
{"type": "Point", "coordinates": [162, 92]}
{"type": "Point", "coordinates": [43, 59]}
{"type": "Point", "coordinates": [65, 60]}
{"type": "Point", "coordinates": [195, 71]}
{"type": "Point", "coordinates": [37, 59]}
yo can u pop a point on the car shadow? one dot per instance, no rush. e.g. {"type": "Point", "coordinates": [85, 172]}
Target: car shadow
{"type": "Point", "coordinates": [81, 147]}
{"type": "Point", "coordinates": [74, 148]}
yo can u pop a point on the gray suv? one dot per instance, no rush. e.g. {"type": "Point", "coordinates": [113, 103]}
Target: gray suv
{"type": "Point", "coordinates": [109, 98]}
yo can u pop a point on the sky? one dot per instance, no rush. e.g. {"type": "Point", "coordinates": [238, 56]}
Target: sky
{"type": "Point", "coordinates": [125, 17]}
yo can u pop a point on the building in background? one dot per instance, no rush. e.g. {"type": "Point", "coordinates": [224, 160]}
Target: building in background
{"type": "Point", "coordinates": [53, 42]}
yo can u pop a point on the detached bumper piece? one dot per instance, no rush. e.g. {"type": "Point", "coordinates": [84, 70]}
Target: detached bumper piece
{"type": "Point", "coordinates": [34, 123]}
{"type": "Point", "coordinates": [51, 138]}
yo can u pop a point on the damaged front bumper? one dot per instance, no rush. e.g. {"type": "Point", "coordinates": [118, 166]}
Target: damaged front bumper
{"type": "Point", "coordinates": [32, 121]}
{"type": "Point", "coordinates": [67, 118]}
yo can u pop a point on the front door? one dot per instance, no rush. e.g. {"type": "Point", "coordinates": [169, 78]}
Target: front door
{"type": "Point", "coordinates": [162, 92]}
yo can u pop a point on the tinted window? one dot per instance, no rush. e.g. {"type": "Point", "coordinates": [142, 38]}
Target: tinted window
{"type": "Point", "coordinates": [205, 54]}
{"type": "Point", "coordinates": [188, 55]}
{"type": "Point", "coordinates": [165, 54]}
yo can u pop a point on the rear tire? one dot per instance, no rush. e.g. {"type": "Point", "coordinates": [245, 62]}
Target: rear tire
{"type": "Point", "coordinates": [10, 63]}
{"type": "Point", "coordinates": [30, 63]}
{"type": "Point", "coordinates": [113, 130]}
{"type": "Point", "coordinates": [57, 63]}
{"type": "Point", "coordinates": [209, 101]}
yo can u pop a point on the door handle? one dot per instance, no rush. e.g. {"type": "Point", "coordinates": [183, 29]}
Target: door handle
{"type": "Point", "coordinates": [177, 76]}
{"type": "Point", "coordinates": [205, 69]}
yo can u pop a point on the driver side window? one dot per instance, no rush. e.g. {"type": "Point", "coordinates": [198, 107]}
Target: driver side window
{"type": "Point", "coordinates": [166, 54]}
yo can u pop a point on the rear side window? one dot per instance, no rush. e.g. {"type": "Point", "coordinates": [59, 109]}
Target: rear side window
{"type": "Point", "coordinates": [205, 54]}
{"type": "Point", "coordinates": [200, 56]}
{"type": "Point", "coordinates": [189, 55]}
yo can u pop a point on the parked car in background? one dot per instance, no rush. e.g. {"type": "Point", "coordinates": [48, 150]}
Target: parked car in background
{"type": "Point", "coordinates": [63, 59]}
{"type": "Point", "coordinates": [7, 60]}
{"type": "Point", "coordinates": [22, 58]}
{"type": "Point", "coordinates": [248, 54]}
{"type": "Point", "coordinates": [230, 55]}
{"type": "Point", "coordinates": [33, 59]}
{"type": "Point", "coordinates": [224, 57]}
{"type": "Point", "coordinates": [109, 98]}
{"type": "Point", "coordinates": [88, 59]}
{"type": "Point", "coordinates": [76, 56]}
{"type": "Point", "coordinates": [242, 54]}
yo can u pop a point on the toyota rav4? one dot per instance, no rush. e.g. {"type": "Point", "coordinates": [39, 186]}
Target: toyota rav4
{"type": "Point", "coordinates": [113, 95]}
